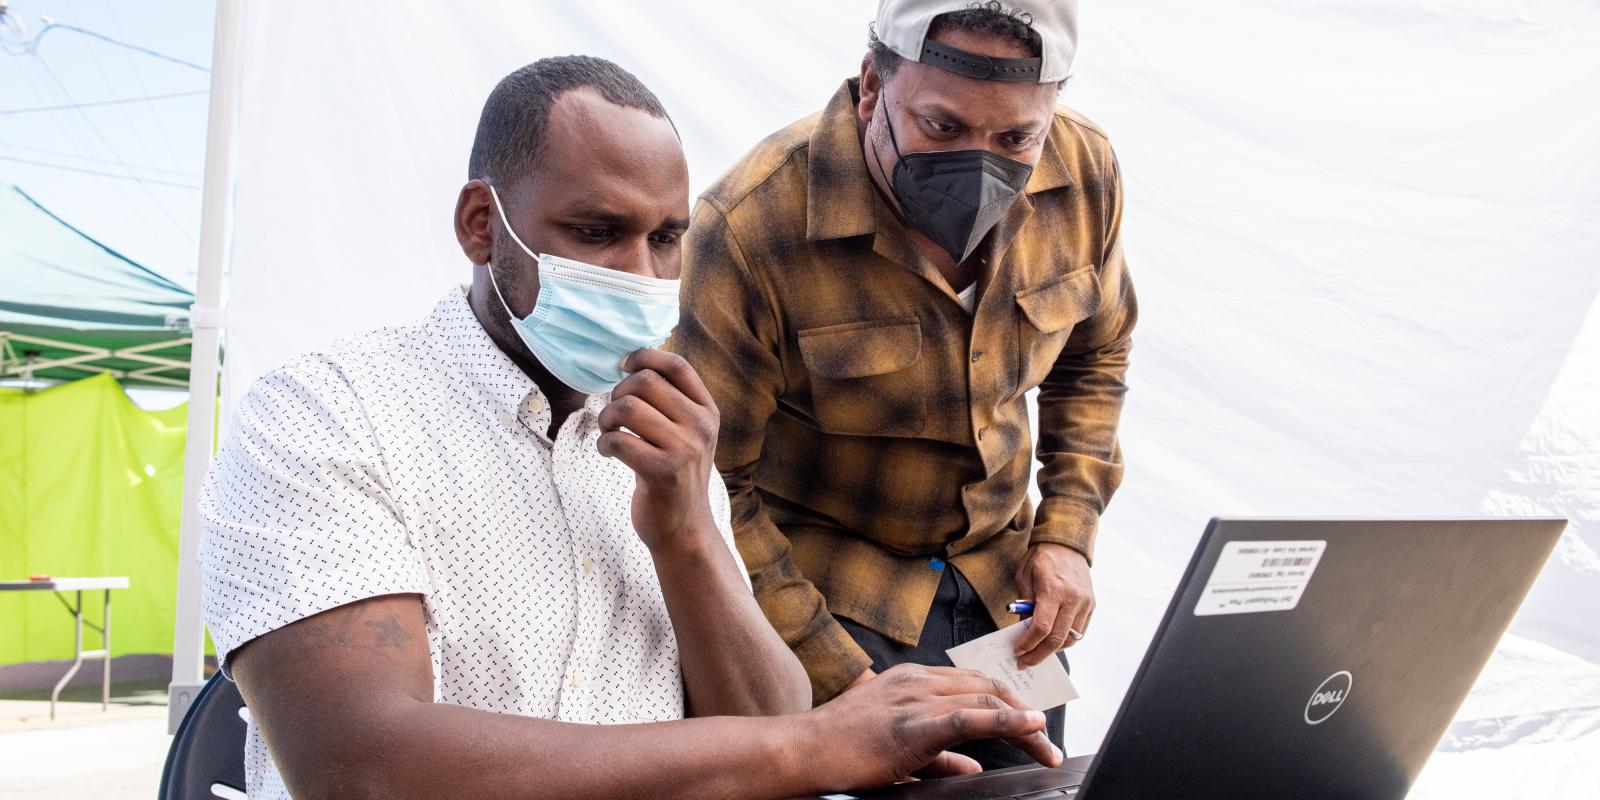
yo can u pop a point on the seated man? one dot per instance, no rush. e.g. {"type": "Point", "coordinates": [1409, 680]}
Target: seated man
{"type": "Point", "coordinates": [435, 554]}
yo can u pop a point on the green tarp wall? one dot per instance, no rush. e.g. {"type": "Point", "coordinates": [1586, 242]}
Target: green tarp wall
{"type": "Point", "coordinates": [90, 484]}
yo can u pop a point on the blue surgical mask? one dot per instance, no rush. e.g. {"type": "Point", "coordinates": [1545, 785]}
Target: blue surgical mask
{"type": "Point", "coordinates": [588, 318]}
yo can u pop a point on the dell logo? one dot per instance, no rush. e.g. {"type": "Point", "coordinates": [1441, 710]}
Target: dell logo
{"type": "Point", "coordinates": [1328, 697]}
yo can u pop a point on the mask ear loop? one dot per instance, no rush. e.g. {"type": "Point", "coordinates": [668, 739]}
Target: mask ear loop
{"type": "Point", "coordinates": [503, 221]}
{"type": "Point", "coordinates": [892, 141]}
{"type": "Point", "coordinates": [495, 284]}
{"type": "Point", "coordinates": [497, 295]}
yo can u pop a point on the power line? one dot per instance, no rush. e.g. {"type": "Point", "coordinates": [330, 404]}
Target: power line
{"type": "Point", "coordinates": [112, 150]}
{"type": "Point", "coordinates": [76, 157]}
{"type": "Point", "coordinates": [34, 45]}
{"type": "Point", "coordinates": [69, 168]}
{"type": "Point", "coordinates": [138, 78]}
{"type": "Point", "coordinates": [94, 103]}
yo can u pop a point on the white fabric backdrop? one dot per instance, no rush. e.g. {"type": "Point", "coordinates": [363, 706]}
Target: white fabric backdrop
{"type": "Point", "coordinates": [1366, 235]}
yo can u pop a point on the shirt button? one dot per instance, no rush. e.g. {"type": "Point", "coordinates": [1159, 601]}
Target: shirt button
{"type": "Point", "coordinates": [980, 433]}
{"type": "Point", "coordinates": [976, 354]}
{"type": "Point", "coordinates": [936, 564]}
{"type": "Point", "coordinates": [588, 565]}
{"type": "Point", "coordinates": [577, 679]}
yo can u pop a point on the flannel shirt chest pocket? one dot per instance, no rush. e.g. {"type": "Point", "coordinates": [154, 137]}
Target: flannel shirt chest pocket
{"type": "Point", "coordinates": [867, 377]}
{"type": "Point", "coordinates": [1048, 313]}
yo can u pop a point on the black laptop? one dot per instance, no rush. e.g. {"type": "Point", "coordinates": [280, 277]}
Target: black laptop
{"type": "Point", "coordinates": [1299, 659]}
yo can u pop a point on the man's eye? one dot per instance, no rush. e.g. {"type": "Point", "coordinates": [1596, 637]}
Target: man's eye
{"type": "Point", "coordinates": [593, 233]}
{"type": "Point", "coordinates": [1019, 140]}
{"type": "Point", "coordinates": [665, 239]}
{"type": "Point", "coordinates": [940, 127]}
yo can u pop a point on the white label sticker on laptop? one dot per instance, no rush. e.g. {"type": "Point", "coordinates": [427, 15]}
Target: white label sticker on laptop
{"type": "Point", "coordinates": [1253, 577]}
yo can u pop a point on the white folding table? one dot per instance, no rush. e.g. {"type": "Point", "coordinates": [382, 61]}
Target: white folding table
{"type": "Point", "coordinates": [78, 586]}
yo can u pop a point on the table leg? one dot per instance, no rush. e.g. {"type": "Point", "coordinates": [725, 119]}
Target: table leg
{"type": "Point", "coordinates": [77, 653]}
{"type": "Point", "coordinates": [105, 642]}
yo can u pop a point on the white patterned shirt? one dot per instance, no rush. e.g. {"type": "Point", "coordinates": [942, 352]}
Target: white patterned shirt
{"type": "Point", "coordinates": [415, 459]}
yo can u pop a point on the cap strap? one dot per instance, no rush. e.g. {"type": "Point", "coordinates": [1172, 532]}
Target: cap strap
{"type": "Point", "coordinates": [972, 65]}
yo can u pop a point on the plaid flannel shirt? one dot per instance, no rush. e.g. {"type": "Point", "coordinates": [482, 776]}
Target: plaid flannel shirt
{"type": "Point", "coordinates": [872, 429]}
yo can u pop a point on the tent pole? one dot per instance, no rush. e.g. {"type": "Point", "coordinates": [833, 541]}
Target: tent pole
{"type": "Point", "coordinates": [206, 320]}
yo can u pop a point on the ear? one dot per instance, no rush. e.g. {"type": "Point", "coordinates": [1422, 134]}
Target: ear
{"type": "Point", "coordinates": [475, 222]}
{"type": "Point", "coordinates": [871, 90]}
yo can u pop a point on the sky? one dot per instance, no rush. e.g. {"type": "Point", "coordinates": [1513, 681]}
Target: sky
{"type": "Point", "coordinates": [126, 173]}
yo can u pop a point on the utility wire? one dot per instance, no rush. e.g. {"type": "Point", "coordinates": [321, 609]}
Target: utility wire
{"type": "Point", "coordinates": [96, 103]}
{"type": "Point", "coordinates": [76, 157]}
{"type": "Point", "coordinates": [109, 148]}
{"type": "Point", "coordinates": [34, 45]}
{"type": "Point", "coordinates": [156, 120]}
{"type": "Point", "coordinates": [119, 176]}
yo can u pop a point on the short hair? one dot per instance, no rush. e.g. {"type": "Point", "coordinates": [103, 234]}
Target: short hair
{"type": "Point", "coordinates": [989, 18]}
{"type": "Point", "coordinates": [510, 139]}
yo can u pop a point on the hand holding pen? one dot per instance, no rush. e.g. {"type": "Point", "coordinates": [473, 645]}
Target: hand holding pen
{"type": "Point", "coordinates": [1024, 609]}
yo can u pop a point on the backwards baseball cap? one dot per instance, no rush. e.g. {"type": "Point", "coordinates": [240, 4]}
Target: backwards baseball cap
{"type": "Point", "coordinates": [902, 26]}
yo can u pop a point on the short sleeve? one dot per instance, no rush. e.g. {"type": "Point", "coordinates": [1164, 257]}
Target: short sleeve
{"type": "Point", "coordinates": [296, 511]}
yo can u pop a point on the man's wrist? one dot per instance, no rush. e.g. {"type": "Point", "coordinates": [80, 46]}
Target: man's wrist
{"type": "Point", "coordinates": [1068, 547]}
{"type": "Point", "coordinates": [793, 748]}
{"type": "Point", "coordinates": [866, 675]}
{"type": "Point", "coordinates": [695, 541]}
{"type": "Point", "coordinates": [1062, 546]}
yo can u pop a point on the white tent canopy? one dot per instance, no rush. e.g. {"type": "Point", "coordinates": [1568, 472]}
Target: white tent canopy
{"type": "Point", "coordinates": [1366, 238]}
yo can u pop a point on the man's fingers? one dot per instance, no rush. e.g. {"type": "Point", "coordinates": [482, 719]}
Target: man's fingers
{"type": "Point", "coordinates": [950, 681]}
{"type": "Point", "coordinates": [637, 454]}
{"type": "Point", "coordinates": [947, 765]}
{"type": "Point", "coordinates": [643, 419]}
{"type": "Point", "coordinates": [967, 724]}
{"type": "Point", "coordinates": [1045, 610]}
{"type": "Point", "coordinates": [981, 700]}
{"type": "Point", "coordinates": [1038, 747]}
{"type": "Point", "coordinates": [1081, 621]}
{"type": "Point", "coordinates": [657, 390]}
{"type": "Point", "coordinates": [1058, 638]}
{"type": "Point", "coordinates": [672, 367]}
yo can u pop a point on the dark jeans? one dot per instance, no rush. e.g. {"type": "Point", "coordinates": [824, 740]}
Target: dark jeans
{"type": "Point", "coordinates": [957, 616]}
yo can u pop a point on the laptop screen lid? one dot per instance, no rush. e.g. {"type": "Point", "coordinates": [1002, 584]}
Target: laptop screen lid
{"type": "Point", "coordinates": [1316, 658]}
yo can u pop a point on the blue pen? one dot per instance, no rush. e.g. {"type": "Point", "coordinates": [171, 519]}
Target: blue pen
{"type": "Point", "coordinates": [1020, 607]}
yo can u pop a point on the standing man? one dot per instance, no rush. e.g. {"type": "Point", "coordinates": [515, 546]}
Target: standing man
{"type": "Point", "coordinates": [474, 555]}
{"type": "Point", "coordinates": [869, 295]}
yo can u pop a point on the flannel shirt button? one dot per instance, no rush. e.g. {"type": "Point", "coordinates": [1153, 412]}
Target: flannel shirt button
{"type": "Point", "coordinates": [980, 433]}
{"type": "Point", "coordinates": [976, 354]}
{"type": "Point", "coordinates": [936, 564]}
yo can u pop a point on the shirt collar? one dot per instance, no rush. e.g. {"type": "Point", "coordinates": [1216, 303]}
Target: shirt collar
{"type": "Point", "coordinates": [841, 198]}
{"type": "Point", "coordinates": [497, 378]}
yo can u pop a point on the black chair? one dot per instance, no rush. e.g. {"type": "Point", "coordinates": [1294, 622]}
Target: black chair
{"type": "Point", "coordinates": [207, 756]}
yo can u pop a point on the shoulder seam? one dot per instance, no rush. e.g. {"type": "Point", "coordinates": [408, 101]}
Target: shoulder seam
{"type": "Point", "coordinates": [1068, 118]}
{"type": "Point", "coordinates": [726, 208]}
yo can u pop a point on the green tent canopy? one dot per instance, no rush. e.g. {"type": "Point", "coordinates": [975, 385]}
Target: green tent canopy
{"type": "Point", "coordinates": [72, 307]}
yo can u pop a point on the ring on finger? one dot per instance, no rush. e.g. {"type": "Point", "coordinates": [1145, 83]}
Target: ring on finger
{"type": "Point", "coordinates": [1076, 636]}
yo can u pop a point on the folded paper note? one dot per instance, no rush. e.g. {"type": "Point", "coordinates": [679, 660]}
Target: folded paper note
{"type": "Point", "coordinates": [1043, 687]}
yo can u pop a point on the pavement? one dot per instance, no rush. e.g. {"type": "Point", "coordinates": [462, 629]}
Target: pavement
{"type": "Point", "coordinates": [84, 752]}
